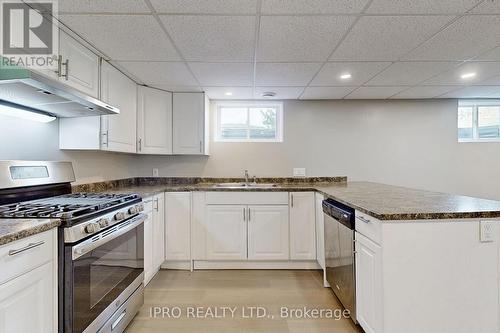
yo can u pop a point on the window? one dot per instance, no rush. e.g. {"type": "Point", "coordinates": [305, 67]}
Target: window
{"type": "Point", "coordinates": [249, 122]}
{"type": "Point", "coordinates": [479, 120]}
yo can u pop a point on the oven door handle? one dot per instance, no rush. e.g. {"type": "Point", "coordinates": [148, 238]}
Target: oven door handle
{"type": "Point", "coordinates": [106, 236]}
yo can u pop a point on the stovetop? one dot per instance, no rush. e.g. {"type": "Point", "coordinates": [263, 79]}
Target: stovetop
{"type": "Point", "coordinates": [70, 208]}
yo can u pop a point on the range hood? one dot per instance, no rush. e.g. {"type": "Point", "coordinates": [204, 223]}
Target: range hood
{"type": "Point", "coordinates": [41, 93]}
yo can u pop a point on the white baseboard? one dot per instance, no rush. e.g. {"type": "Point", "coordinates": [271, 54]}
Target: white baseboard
{"type": "Point", "coordinates": [180, 265]}
{"type": "Point", "coordinates": [306, 264]}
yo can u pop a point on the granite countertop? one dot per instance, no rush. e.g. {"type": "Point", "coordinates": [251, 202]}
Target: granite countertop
{"type": "Point", "coordinates": [14, 229]}
{"type": "Point", "coordinates": [384, 202]}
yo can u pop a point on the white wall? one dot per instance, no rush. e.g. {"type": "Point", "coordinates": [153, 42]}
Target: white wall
{"type": "Point", "coordinates": [28, 140]}
{"type": "Point", "coordinates": [407, 143]}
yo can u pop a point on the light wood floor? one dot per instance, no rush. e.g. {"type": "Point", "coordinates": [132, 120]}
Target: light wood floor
{"type": "Point", "coordinates": [268, 289]}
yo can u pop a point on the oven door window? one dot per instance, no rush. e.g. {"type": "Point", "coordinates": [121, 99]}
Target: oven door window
{"type": "Point", "coordinates": [101, 275]}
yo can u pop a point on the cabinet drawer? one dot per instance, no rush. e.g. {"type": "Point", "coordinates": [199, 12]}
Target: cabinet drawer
{"type": "Point", "coordinates": [26, 254]}
{"type": "Point", "coordinates": [369, 227]}
{"type": "Point", "coordinates": [246, 198]}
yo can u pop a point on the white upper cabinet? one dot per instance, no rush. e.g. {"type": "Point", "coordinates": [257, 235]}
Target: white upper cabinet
{"type": "Point", "coordinates": [178, 225]}
{"type": "Point", "coordinates": [81, 66]}
{"type": "Point", "coordinates": [302, 226]}
{"type": "Point", "coordinates": [190, 120]}
{"type": "Point", "coordinates": [268, 233]}
{"type": "Point", "coordinates": [154, 121]}
{"type": "Point", "coordinates": [118, 131]}
{"type": "Point", "coordinates": [226, 232]}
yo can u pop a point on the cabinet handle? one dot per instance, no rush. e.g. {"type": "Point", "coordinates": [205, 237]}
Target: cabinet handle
{"type": "Point", "coordinates": [66, 64]}
{"type": "Point", "coordinates": [27, 247]}
{"type": "Point", "coordinates": [59, 66]}
{"type": "Point", "coordinates": [249, 218]}
{"type": "Point", "coordinates": [140, 144]}
{"type": "Point", "coordinates": [244, 214]}
{"type": "Point", "coordinates": [291, 199]}
{"type": "Point", "coordinates": [156, 204]}
{"type": "Point", "coordinates": [362, 219]}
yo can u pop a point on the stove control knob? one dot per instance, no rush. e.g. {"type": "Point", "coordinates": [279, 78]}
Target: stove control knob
{"type": "Point", "coordinates": [103, 223]}
{"type": "Point", "coordinates": [92, 228]}
{"type": "Point", "coordinates": [132, 210]}
{"type": "Point", "coordinates": [119, 216]}
{"type": "Point", "coordinates": [140, 207]}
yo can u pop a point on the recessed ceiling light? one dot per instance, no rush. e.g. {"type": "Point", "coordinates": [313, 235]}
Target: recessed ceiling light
{"type": "Point", "coordinates": [345, 76]}
{"type": "Point", "coordinates": [268, 94]}
{"type": "Point", "coordinates": [468, 75]}
{"type": "Point", "coordinates": [228, 93]}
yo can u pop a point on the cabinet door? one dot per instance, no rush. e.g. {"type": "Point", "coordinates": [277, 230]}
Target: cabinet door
{"type": "Point", "coordinates": [302, 226]}
{"type": "Point", "coordinates": [158, 230]}
{"type": "Point", "coordinates": [189, 123]}
{"type": "Point", "coordinates": [28, 302]}
{"type": "Point", "coordinates": [226, 232]}
{"type": "Point", "coordinates": [154, 121]}
{"type": "Point", "coordinates": [148, 248]}
{"type": "Point", "coordinates": [119, 131]}
{"type": "Point", "coordinates": [82, 70]}
{"type": "Point", "coordinates": [368, 284]}
{"type": "Point", "coordinates": [320, 235]}
{"type": "Point", "coordinates": [178, 225]}
{"type": "Point", "coordinates": [268, 233]}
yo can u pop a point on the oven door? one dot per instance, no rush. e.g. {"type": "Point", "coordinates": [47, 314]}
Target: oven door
{"type": "Point", "coordinates": [99, 272]}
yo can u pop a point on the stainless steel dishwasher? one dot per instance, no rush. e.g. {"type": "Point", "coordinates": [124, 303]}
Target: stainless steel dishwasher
{"type": "Point", "coordinates": [339, 253]}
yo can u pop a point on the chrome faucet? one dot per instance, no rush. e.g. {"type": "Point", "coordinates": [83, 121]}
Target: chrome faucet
{"type": "Point", "coordinates": [246, 176]}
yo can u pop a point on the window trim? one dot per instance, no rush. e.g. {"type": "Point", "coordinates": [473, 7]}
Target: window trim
{"type": "Point", "coordinates": [251, 104]}
{"type": "Point", "coordinates": [475, 121]}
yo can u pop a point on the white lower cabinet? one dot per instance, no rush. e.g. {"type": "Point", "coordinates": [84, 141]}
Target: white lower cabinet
{"type": "Point", "coordinates": [154, 236]}
{"type": "Point", "coordinates": [268, 233]}
{"type": "Point", "coordinates": [177, 226]}
{"type": "Point", "coordinates": [226, 232]}
{"type": "Point", "coordinates": [148, 248]}
{"type": "Point", "coordinates": [302, 226]}
{"type": "Point", "coordinates": [28, 284]}
{"type": "Point", "coordinates": [368, 284]}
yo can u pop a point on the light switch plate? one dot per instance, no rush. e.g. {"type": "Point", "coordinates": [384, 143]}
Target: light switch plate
{"type": "Point", "coordinates": [156, 172]}
{"type": "Point", "coordinates": [488, 231]}
{"type": "Point", "coordinates": [299, 172]}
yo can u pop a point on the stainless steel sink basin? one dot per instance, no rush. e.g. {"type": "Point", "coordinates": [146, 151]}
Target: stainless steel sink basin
{"type": "Point", "coordinates": [245, 185]}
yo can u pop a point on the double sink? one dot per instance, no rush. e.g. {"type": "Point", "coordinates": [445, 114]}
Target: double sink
{"type": "Point", "coordinates": [245, 185]}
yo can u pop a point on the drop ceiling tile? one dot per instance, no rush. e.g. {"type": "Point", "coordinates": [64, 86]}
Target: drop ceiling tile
{"type": "Point", "coordinates": [488, 7]}
{"type": "Point", "coordinates": [205, 6]}
{"type": "Point", "coordinates": [281, 92]}
{"type": "Point", "coordinates": [236, 92]}
{"type": "Point", "coordinates": [465, 38]}
{"type": "Point", "coordinates": [473, 92]}
{"type": "Point", "coordinates": [285, 74]}
{"type": "Point", "coordinates": [300, 38]}
{"type": "Point", "coordinates": [103, 6]}
{"type": "Point", "coordinates": [387, 38]}
{"type": "Point", "coordinates": [213, 38]}
{"type": "Point", "coordinates": [374, 92]}
{"type": "Point", "coordinates": [123, 37]}
{"type": "Point", "coordinates": [312, 6]}
{"type": "Point", "coordinates": [360, 72]}
{"type": "Point", "coordinates": [410, 73]}
{"type": "Point", "coordinates": [483, 70]}
{"type": "Point", "coordinates": [164, 73]}
{"type": "Point", "coordinates": [223, 74]}
{"type": "Point", "coordinates": [424, 92]}
{"type": "Point", "coordinates": [492, 55]}
{"type": "Point", "coordinates": [175, 88]}
{"type": "Point", "coordinates": [421, 6]}
{"type": "Point", "coordinates": [326, 92]}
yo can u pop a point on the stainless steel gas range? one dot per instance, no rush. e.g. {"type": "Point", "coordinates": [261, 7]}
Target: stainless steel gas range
{"type": "Point", "coordinates": [100, 243]}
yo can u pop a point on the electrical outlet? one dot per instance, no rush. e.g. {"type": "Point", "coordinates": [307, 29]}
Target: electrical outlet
{"type": "Point", "coordinates": [299, 172]}
{"type": "Point", "coordinates": [488, 231]}
{"type": "Point", "coordinates": [156, 172]}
